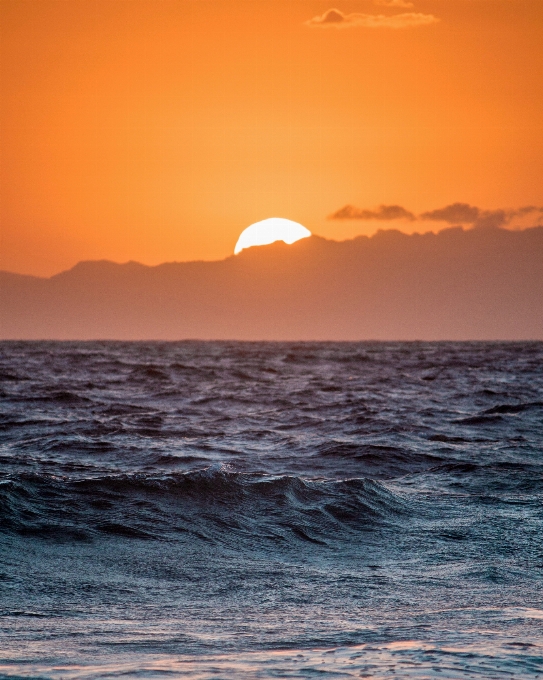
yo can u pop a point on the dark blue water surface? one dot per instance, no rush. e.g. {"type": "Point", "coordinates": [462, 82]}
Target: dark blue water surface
{"type": "Point", "coordinates": [271, 510]}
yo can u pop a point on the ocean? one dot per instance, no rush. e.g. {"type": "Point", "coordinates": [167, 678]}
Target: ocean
{"type": "Point", "coordinates": [271, 510]}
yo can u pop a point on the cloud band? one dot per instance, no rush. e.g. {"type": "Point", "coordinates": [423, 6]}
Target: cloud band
{"type": "Point", "coordinates": [383, 212]}
{"type": "Point", "coordinates": [455, 213]}
{"type": "Point", "coordinates": [334, 18]}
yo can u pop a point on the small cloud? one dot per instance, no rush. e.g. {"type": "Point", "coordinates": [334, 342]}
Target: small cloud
{"type": "Point", "coordinates": [393, 3]}
{"type": "Point", "coordinates": [333, 18]}
{"type": "Point", "coordinates": [330, 18]}
{"type": "Point", "coordinates": [525, 217]}
{"type": "Point", "coordinates": [528, 209]}
{"type": "Point", "coordinates": [383, 212]}
{"type": "Point", "coordinates": [463, 213]}
{"type": "Point", "coordinates": [493, 219]}
{"type": "Point", "coordinates": [454, 213]}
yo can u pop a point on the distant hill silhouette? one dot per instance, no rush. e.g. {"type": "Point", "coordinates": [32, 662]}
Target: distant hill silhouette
{"type": "Point", "coordinates": [476, 284]}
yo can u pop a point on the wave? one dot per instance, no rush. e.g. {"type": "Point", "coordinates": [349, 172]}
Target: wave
{"type": "Point", "coordinates": [378, 460]}
{"type": "Point", "coordinates": [213, 504]}
{"type": "Point", "coordinates": [495, 414]}
{"type": "Point", "coordinates": [54, 397]}
{"type": "Point", "coordinates": [514, 408]}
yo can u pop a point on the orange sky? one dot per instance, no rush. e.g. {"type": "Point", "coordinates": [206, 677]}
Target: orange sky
{"type": "Point", "coordinates": [158, 130]}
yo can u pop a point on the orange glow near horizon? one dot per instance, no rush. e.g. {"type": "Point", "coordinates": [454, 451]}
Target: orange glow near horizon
{"type": "Point", "coordinates": [156, 131]}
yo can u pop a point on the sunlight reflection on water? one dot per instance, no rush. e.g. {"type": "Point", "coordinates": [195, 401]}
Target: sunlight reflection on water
{"type": "Point", "coordinates": [406, 659]}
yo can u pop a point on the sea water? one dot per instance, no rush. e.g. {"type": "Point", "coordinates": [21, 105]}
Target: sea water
{"type": "Point", "coordinates": [271, 510]}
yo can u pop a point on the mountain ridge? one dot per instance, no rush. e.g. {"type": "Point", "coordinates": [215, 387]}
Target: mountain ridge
{"type": "Point", "coordinates": [454, 285]}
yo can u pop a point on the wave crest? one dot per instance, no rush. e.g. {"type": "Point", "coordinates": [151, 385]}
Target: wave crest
{"type": "Point", "coordinates": [214, 504]}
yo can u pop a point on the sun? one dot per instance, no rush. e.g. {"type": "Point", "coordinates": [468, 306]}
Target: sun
{"type": "Point", "coordinates": [268, 231]}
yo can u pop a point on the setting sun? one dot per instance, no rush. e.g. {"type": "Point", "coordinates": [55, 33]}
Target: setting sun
{"type": "Point", "coordinates": [268, 231]}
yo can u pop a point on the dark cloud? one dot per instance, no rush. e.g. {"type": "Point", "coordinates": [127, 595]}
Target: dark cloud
{"type": "Point", "coordinates": [334, 18]}
{"type": "Point", "coordinates": [455, 213]}
{"type": "Point", "coordinates": [493, 219]}
{"type": "Point", "coordinates": [383, 212]}
{"type": "Point", "coordinates": [528, 209]}
{"type": "Point", "coordinates": [463, 213]}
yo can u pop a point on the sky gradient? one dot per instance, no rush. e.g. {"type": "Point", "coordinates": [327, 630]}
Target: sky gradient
{"type": "Point", "coordinates": [158, 131]}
